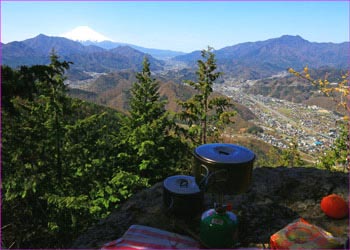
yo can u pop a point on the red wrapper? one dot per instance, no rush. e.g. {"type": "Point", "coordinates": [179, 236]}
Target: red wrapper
{"type": "Point", "coordinates": [302, 235]}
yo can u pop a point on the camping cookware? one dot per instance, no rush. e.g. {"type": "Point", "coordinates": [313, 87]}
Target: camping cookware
{"type": "Point", "coordinates": [228, 167]}
{"type": "Point", "coordinates": [182, 196]}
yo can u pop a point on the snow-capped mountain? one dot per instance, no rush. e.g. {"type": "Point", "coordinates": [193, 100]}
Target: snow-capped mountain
{"type": "Point", "coordinates": [87, 36]}
{"type": "Point", "coordinates": [85, 33]}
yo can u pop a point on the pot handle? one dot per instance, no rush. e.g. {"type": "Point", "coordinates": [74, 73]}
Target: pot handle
{"type": "Point", "coordinates": [171, 205]}
{"type": "Point", "coordinates": [204, 182]}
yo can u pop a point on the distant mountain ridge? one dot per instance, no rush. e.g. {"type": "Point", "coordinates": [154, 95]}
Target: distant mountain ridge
{"type": "Point", "coordinates": [86, 58]}
{"type": "Point", "coordinates": [250, 60]}
{"type": "Point", "coordinates": [43, 44]}
{"type": "Point", "coordinates": [87, 36]}
{"type": "Point", "coordinates": [156, 53]}
{"type": "Point", "coordinates": [255, 60]}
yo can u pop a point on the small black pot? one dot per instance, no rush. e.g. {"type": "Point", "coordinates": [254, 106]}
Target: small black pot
{"type": "Point", "coordinates": [182, 196]}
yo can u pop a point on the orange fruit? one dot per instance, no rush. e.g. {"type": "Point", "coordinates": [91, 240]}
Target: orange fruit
{"type": "Point", "coordinates": [334, 206]}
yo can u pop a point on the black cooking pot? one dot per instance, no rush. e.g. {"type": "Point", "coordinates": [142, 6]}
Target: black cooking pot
{"type": "Point", "coordinates": [229, 166]}
{"type": "Point", "coordinates": [182, 196]}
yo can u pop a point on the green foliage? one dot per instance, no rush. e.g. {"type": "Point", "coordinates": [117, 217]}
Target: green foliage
{"type": "Point", "coordinates": [204, 115]}
{"type": "Point", "coordinates": [272, 158]}
{"type": "Point", "coordinates": [337, 154]}
{"type": "Point", "coordinates": [145, 101]}
{"type": "Point", "coordinates": [33, 132]}
{"type": "Point", "coordinates": [255, 130]}
{"type": "Point", "coordinates": [60, 167]}
{"type": "Point", "coordinates": [340, 94]}
{"type": "Point", "coordinates": [152, 150]}
{"type": "Point", "coordinates": [291, 157]}
{"type": "Point", "coordinates": [67, 163]}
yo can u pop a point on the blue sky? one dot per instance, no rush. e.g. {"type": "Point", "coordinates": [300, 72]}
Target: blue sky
{"type": "Point", "coordinates": [179, 25]}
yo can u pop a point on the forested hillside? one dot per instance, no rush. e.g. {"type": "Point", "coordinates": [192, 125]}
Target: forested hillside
{"type": "Point", "coordinates": [67, 163]}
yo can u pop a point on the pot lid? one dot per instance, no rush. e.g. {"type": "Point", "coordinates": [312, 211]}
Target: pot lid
{"type": "Point", "coordinates": [224, 153]}
{"type": "Point", "coordinates": [181, 184]}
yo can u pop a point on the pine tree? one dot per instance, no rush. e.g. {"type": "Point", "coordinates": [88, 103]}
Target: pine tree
{"type": "Point", "coordinates": [32, 146]}
{"type": "Point", "coordinates": [151, 150]}
{"type": "Point", "coordinates": [60, 157]}
{"type": "Point", "coordinates": [201, 113]}
{"type": "Point", "coordinates": [145, 103]}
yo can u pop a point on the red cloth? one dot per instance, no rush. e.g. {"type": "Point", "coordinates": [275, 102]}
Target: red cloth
{"type": "Point", "coordinates": [143, 237]}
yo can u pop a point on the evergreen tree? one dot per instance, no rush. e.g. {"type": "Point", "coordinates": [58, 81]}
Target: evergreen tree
{"type": "Point", "coordinates": [145, 103]}
{"type": "Point", "coordinates": [150, 148]}
{"type": "Point", "coordinates": [59, 166]}
{"type": "Point", "coordinates": [32, 147]}
{"type": "Point", "coordinates": [204, 115]}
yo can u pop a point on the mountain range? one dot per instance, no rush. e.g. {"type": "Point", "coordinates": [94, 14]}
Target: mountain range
{"type": "Point", "coordinates": [156, 53]}
{"type": "Point", "coordinates": [86, 58]}
{"type": "Point", "coordinates": [256, 60]}
{"type": "Point", "coordinates": [251, 60]}
{"type": "Point", "coordinates": [87, 36]}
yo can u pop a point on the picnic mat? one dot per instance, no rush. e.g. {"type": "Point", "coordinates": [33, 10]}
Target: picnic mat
{"type": "Point", "coordinates": [144, 237]}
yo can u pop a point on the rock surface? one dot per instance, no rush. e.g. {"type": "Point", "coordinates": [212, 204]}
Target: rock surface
{"type": "Point", "coordinates": [277, 196]}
